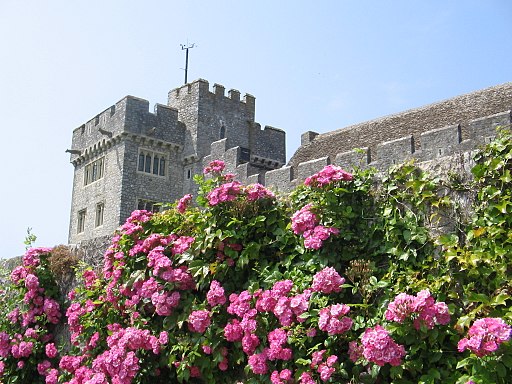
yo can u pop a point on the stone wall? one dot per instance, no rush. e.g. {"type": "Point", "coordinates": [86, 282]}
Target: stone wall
{"type": "Point", "coordinates": [462, 111]}
{"type": "Point", "coordinates": [440, 144]}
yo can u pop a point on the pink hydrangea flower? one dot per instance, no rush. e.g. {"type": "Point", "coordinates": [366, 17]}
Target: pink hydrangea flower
{"type": "Point", "coordinates": [276, 351]}
{"type": "Point", "coordinates": [198, 321]}
{"type": "Point", "coordinates": [283, 377]}
{"type": "Point", "coordinates": [314, 239]}
{"type": "Point", "coordinates": [5, 344]}
{"type": "Point", "coordinates": [215, 166]}
{"type": "Point", "coordinates": [207, 349]}
{"type": "Point", "coordinates": [380, 348]}
{"type": "Point", "coordinates": [327, 281]}
{"type": "Point", "coordinates": [329, 174]}
{"type": "Point", "coordinates": [258, 191]}
{"type": "Point", "coordinates": [401, 308]}
{"type": "Point", "coordinates": [43, 366]}
{"type": "Point", "coordinates": [165, 302]}
{"type": "Point", "coordinates": [31, 282]}
{"type": "Point", "coordinates": [355, 351]}
{"type": "Point", "coordinates": [182, 244]}
{"type": "Point", "coordinates": [51, 350]}
{"type": "Point", "coordinates": [215, 295]}
{"type": "Point", "coordinates": [333, 321]}
{"type": "Point", "coordinates": [258, 363]}
{"type": "Point", "coordinates": [183, 203]}
{"type": "Point", "coordinates": [225, 192]}
{"type": "Point", "coordinates": [239, 304]}
{"type": "Point", "coordinates": [31, 257]}
{"type": "Point", "coordinates": [325, 372]}
{"type": "Point", "coordinates": [89, 277]}
{"type": "Point", "coordinates": [233, 331]}
{"type": "Point", "coordinates": [52, 376]}
{"type": "Point", "coordinates": [249, 343]}
{"type": "Point", "coordinates": [304, 220]}
{"type": "Point", "coordinates": [422, 307]}
{"type": "Point", "coordinates": [306, 378]}
{"type": "Point", "coordinates": [485, 336]}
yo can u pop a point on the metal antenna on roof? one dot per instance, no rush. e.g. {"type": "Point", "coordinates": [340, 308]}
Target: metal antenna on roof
{"type": "Point", "coordinates": [186, 47]}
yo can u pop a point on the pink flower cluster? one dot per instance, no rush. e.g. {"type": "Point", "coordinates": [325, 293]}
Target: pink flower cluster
{"type": "Point", "coordinates": [485, 336]}
{"type": "Point", "coordinates": [324, 367]}
{"type": "Point", "coordinates": [283, 377]}
{"type": "Point", "coordinates": [119, 363]}
{"type": "Point", "coordinates": [90, 278]}
{"type": "Point", "coordinates": [134, 223]}
{"type": "Point", "coordinates": [165, 302]}
{"type": "Point", "coordinates": [305, 222]}
{"type": "Point", "coordinates": [257, 192]}
{"type": "Point", "coordinates": [380, 348]}
{"type": "Point", "coordinates": [223, 365]}
{"type": "Point", "coordinates": [215, 295]}
{"type": "Point", "coordinates": [425, 310]}
{"type": "Point", "coordinates": [333, 321]}
{"type": "Point", "coordinates": [329, 174]}
{"type": "Point", "coordinates": [327, 281]}
{"type": "Point", "coordinates": [198, 321]}
{"type": "Point", "coordinates": [277, 339]}
{"type": "Point", "coordinates": [183, 203]}
{"type": "Point", "coordinates": [258, 363]}
{"type": "Point", "coordinates": [215, 166]}
{"type": "Point", "coordinates": [225, 192]}
{"type": "Point", "coordinates": [32, 323]}
{"type": "Point", "coordinates": [286, 308]}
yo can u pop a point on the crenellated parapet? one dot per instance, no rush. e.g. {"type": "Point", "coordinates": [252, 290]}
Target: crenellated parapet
{"type": "Point", "coordinates": [436, 145]}
{"type": "Point", "coordinates": [131, 119]}
{"type": "Point", "coordinates": [200, 90]}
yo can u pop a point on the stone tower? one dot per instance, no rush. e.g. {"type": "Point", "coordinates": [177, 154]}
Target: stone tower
{"type": "Point", "coordinates": [128, 158]}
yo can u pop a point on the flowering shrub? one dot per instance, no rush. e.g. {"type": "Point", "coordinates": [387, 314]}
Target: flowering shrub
{"type": "Point", "coordinates": [27, 349]}
{"type": "Point", "coordinates": [340, 281]}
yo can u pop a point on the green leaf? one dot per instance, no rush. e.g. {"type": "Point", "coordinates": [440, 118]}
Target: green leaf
{"type": "Point", "coordinates": [501, 299]}
{"type": "Point", "coordinates": [464, 362]}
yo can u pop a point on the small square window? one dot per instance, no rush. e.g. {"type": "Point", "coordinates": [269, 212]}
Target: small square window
{"type": "Point", "coordinates": [149, 205]}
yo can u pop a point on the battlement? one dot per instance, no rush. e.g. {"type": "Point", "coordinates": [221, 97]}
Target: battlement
{"type": "Point", "coordinates": [129, 117]}
{"type": "Point", "coordinates": [460, 110]}
{"type": "Point", "coordinates": [436, 145]}
{"type": "Point", "coordinates": [200, 91]}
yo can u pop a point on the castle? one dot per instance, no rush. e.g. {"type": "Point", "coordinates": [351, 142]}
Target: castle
{"type": "Point", "coordinates": [128, 158]}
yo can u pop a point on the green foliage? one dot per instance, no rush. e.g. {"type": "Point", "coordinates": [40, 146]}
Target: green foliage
{"type": "Point", "coordinates": [392, 239]}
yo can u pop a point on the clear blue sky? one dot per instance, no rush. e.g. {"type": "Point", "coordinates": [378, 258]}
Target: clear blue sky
{"type": "Point", "coordinates": [312, 65]}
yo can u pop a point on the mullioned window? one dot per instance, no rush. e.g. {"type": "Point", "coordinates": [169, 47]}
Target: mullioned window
{"type": "Point", "coordinates": [150, 162]}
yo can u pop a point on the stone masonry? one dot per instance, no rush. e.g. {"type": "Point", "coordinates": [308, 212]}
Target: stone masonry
{"type": "Point", "coordinates": [127, 157]}
{"type": "Point", "coordinates": [198, 126]}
